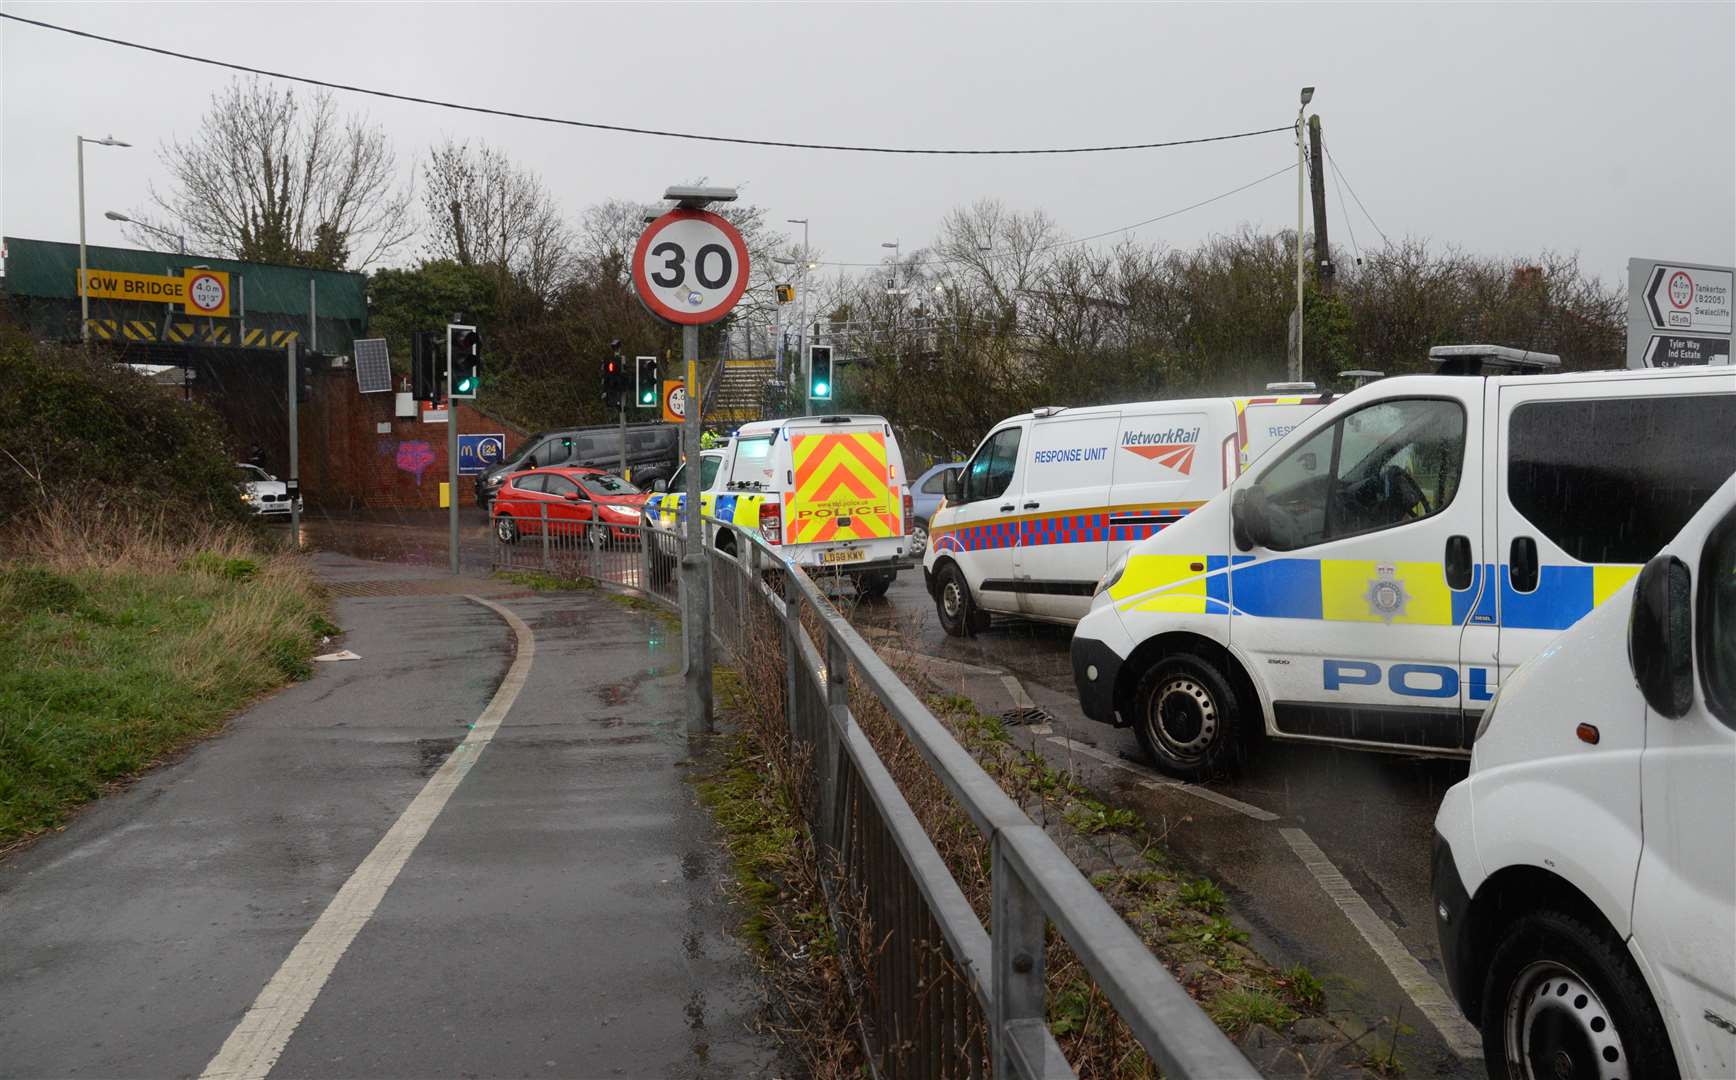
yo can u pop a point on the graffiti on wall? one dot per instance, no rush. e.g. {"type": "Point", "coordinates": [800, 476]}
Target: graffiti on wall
{"type": "Point", "coordinates": [414, 457]}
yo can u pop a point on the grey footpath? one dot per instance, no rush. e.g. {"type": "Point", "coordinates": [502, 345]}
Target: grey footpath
{"type": "Point", "coordinates": [563, 917]}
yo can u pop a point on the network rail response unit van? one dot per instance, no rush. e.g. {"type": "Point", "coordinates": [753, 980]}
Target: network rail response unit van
{"type": "Point", "coordinates": [1372, 578]}
{"type": "Point", "coordinates": [1585, 871]}
{"type": "Point", "coordinates": [1052, 497]}
{"type": "Point", "coordinates": [830, 490]}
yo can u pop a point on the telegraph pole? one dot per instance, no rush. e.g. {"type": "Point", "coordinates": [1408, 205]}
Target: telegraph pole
{"type": "Point", "coordinates": [1324, 271]}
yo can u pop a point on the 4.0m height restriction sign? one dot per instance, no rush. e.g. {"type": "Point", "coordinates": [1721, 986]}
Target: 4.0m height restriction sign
{"type": "Point", "coordinates": [690, 267]}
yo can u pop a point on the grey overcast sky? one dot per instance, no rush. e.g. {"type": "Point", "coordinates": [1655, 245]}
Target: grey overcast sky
{"type": "Point", "coordinates": [1605, 129]}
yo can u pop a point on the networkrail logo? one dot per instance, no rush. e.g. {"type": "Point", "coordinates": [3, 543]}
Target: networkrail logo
{"type": "Point", "coordinates": [1173, 449]}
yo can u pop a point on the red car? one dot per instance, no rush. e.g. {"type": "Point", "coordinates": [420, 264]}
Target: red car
{"type": "Point", "coordinates": [591, 503]}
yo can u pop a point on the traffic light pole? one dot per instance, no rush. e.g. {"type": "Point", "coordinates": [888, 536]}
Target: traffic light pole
{"type": "Point", "coordinates": [695, 584]}
{"type": "Point", "coordinates": [294, 484]}
{"type": "Point", "coordinates": [451, 462]}
{"type": "Point", "coordinates": [622, 472]}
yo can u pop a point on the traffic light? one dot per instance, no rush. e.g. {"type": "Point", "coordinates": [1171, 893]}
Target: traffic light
{"type": "Point", "coordinates": [614, 379]}
{"type": "Point", "coordinates": [786, 293]}
{"type": "Point", "coordinates": [466, 345]}
{"type": "Point", "coordinates": [427, 369]}
{"type": "Point", "coordinates": [645, 382]}
{"type": "Point", "coordinates": [819, 373]}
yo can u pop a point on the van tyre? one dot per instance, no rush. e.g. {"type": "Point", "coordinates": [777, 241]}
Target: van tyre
{"type": "Point", "coordinates": [1563, 999]}
{"type": "Point", "coordinates": [873, 584]}
{"type": "Point", "coordinates": [1185, 712]}
{"type": "Point", "coordinates": [959, 615]}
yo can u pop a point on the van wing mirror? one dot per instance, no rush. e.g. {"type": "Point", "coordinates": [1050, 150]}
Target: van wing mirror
{"type": "Point", "coordinates": [659, 484]}
{"type": "Point", "coordinates": [1660, 636]}
{"type": "Point", "coordinates": [1249, 519]}
{"type": "Point", "coordinates": [951, 485]}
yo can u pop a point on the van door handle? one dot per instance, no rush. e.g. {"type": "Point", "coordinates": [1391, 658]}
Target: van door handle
{"type": "Point", "coordinates": [1458, 563]}
{"type": "Point", "coordinates": [1030, 506]}
{"type": "Point", "coordinates": [1007, 508]}
{"type": "Point", "coordinates": [1522, 564]}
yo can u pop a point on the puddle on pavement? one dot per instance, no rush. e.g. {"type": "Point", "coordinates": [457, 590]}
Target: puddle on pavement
{"type": "Point", "coordinates": [431, 752]}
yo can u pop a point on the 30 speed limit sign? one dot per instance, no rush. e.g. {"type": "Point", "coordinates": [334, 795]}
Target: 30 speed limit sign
{"type": "Point", "coordinates": [690, 267]}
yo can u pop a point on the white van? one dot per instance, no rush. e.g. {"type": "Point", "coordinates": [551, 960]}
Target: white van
{"type": "Point", "coordinates": [1585, 872]}
{"type": "Point", "coordinates": [830, 490]}
{"type": "Point", "coordinates": [1052, 497]}
{"type": "Point", "coordinates": [1371, 579]}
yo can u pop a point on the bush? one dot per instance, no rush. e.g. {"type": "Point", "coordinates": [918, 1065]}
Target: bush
{"type": "Point", "coordinates": [79, 429]}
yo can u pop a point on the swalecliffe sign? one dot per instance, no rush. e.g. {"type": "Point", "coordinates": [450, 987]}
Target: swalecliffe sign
{"type": "Point", "coordinates": [199, 292]}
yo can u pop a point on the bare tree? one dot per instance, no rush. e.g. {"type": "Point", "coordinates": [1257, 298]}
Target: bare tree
{"type": "Point", "coordinates": [487, 212]}
{"type": "Point", "coordinates": [272, 177]}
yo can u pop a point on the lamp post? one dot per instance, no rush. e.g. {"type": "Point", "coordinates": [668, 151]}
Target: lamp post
{"type": "Point", "coordinates": [1301, 184]}
{"type": "Point", "coordinates": [180, 239]}
{"type": "Point", "coordinates": [801, 275]}
{"type": "Point", "coordinates": [897, 297]}
{"type": "Point", "coordinates": [83, 262]}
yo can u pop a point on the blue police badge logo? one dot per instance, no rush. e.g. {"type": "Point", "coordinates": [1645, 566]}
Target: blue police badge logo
{"type": "Point", "coordinates": [1386, 596]}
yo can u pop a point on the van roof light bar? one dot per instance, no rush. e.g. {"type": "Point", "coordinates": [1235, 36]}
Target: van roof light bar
{"type": "Point", "coordinates": [1291, 387]}
{"type": "Point", "coordinates": [1047, 410]}
{"type": "Point", "coordinates": [1490, 360]}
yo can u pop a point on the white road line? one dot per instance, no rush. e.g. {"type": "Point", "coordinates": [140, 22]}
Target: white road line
{"type": "Point", "coordinates": [1016, 690]}
{"type": "Point", "coordinates": [1427, 994]}
{"type": "Point", "coordinates": [1150, 779]}
{"type": "Point", "coordinates": [258, 1040]}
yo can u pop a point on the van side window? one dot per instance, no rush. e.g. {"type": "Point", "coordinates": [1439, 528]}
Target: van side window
{"type": "Point", "coordinates": [1612, 481]}
{"type": "Point", "coordinates": [1717, 620]}
{"type": "Point", "coordinates": [990, 473]}
{"type": "Point", "coordinates": [1387, 464]}
{"type": "Point", "coordinates": [708, 467]}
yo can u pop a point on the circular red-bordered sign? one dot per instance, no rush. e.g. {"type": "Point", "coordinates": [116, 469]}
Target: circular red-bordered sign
{"type": "Point", "coordinates": [206, 292]}
{"type": "Point", "coordinates": [1681, 290]}
{"type": "Point", "coordinates": [690, 267]}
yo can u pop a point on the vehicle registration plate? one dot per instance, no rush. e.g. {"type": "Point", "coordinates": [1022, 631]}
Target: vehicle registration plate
{"type": "Point", "coordinates": [827, 558]}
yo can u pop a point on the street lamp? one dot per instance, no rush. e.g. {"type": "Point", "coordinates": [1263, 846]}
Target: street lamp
{"type": "Point", "coordinates": [1301, 182]}
{"type": "Point", "coordinates": [83, 263]}
{"type": "Point", "coordinates": [180, 239]}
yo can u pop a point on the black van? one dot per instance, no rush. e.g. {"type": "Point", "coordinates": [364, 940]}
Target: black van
{"type": "Point", "coordinates": [653, 452]}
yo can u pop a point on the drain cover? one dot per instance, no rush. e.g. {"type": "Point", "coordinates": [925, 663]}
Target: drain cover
{"type": "Point", "coordinates": [1032, 715]}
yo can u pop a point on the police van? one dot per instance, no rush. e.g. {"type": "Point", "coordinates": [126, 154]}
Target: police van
{"type": "Point", "coordinates": [829, 490]}
{"type": "Point", "coordinates": [1585, 872]}
{"type": "Point", "coordinates": [1052, 497]}
{"type": "Point", "coordinates": [1371, 579]}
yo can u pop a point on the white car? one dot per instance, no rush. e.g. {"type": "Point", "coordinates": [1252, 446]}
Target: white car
{"type": "Point", "coordinates": [1585, 871]}
{"type": "Point", "coordinates": [262, 492]}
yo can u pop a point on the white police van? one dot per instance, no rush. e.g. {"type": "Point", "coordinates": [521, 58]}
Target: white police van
{"type": "Point", "coordinates": [1585, 871]}
{"type": "Point", "coordinates": [1369, 581]}
{"type": "Point", "coordinates": [1051, 497]}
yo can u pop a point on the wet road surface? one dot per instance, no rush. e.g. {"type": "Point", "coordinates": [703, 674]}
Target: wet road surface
{"type": "Point", "coordinates": [561, 914]}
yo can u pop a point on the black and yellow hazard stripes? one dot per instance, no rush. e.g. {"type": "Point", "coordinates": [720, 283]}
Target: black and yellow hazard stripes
{"type": "Point", "coordinates": [844, 490]}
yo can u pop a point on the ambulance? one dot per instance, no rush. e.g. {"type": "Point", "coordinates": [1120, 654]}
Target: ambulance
{"type": "Point", "coordinates": [830, 491]}
{"type": "Point", "coordinates": [1052, 497]}
{"type": "Point", "coordinates": [1584, 874]}
{"type": "Point", "coordinates": [1372, 578]}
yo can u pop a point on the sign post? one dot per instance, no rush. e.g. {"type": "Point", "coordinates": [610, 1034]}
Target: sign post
{"type": "Point", "coordinates": [1678, 313]}
{"type": "Point", "coordinates": [690, 267]}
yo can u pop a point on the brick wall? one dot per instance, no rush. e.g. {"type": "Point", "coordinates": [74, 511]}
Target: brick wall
{"type": "Point", "coordinates": [357, 455]}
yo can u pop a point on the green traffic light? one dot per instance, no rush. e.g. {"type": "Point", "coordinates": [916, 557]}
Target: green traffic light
{"type": "Point", "coordinates": [648, 398]}
{"type": "Point", "coordinates": [467, 385]}
{"type": "Point", "coordinates": [821, 389]}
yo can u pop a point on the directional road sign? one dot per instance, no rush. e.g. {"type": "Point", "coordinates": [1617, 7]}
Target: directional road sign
{"type": "Point", "coordinates": [690, 267]}
{"type": "Point", "coordinates": [1678, 313]}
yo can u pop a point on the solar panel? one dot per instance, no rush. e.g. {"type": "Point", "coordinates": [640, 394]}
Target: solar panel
{"type": "Point", "coordinates": [373, 366]}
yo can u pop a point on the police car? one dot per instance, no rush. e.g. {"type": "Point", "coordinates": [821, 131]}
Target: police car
{"type": "Point", "coordinates": [1585, 871]}
{"type": "Point", "coordinates": [829, 490]}
{"type": "Point", "coordinates": [1052, 497]}
{"type": "Point", "coordinates": [1372, 578]}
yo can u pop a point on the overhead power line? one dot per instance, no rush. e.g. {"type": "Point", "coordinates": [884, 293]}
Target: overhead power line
{"type": "Point", "coordinates": [624, 128]}
{"type": "Point", "coordinates": [1086, 239]}
{"type": "Point", "coordinates": [1340, 174]}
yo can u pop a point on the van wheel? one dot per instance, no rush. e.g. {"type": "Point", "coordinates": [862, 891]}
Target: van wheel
{"type": "Point", "coordinates": [959, 615]}
{"type": "Point", "coordinates": [1563, 999]}
{"type": "Point", "coordinates": [726, 543]}
{"type": "Point", "coordinates": [506, 529]}
{"type": "Point", "coordinates": [873, 584]}
{"type": "Point", "coordinates": [1184, 712]}
{"type": "Point", "coordinates": [919, 538]}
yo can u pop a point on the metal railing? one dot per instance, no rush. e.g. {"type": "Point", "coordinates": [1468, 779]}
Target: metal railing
{"type": "Point", "coordinates": [942, 996]}
{"type": "Point", "coordinates": [559, 542]}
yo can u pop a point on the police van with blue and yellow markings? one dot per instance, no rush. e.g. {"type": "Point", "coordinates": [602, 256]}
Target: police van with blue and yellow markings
{"type": "Point", "coordinates": [830, 491]}
{"type": "Point", "coordinates": [1373, 578]}
{"type": "Point", "coordinates": [1052, 497]}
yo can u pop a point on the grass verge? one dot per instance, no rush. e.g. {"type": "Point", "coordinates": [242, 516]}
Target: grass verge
{"type": "Point", "coordinates": [120, 646]}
